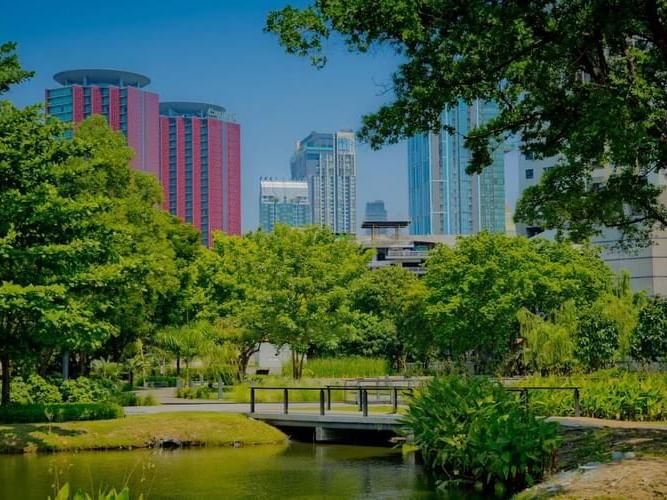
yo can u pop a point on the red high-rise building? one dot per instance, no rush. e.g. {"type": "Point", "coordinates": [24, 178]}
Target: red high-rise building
{"type": "Point", "coordinates": [120, 97]}
{"type": "Point", "coordinates": [200, 166]}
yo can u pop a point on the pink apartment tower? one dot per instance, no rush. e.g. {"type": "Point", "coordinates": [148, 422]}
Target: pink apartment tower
{"type": "Point", "coordinates": [121, 98]}
{"type": "Point", "coordinates": [194, 149]}
{"type": "Point", "coordinates": [200, 166]}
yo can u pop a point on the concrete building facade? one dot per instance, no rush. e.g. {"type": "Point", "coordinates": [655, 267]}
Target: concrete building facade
{"type": "Point", "coordinates": [327, 162]}
{"type": "Point", "coordinates": [283, 202]}
{"type": "Point", "coordinates": [647, 266]}
{"type": "Point", "coordinates": [443, 198]}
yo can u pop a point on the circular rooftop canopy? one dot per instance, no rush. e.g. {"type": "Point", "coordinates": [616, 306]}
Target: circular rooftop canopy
{"type": "Point", "coordinates": [101, 77]}
{"type": "Point", "coordinates": [184, 108]}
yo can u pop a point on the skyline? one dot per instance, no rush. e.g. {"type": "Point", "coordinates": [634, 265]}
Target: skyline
{"type": "Point", "coordinates": [277, 98]}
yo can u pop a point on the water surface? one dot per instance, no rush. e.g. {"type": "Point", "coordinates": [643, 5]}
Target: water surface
{"type": "Point", "coordinates": [296, 470]}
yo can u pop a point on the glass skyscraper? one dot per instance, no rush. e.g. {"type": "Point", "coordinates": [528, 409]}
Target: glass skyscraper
{"type": "Point", "coordinates": [283, 202]}
{"type": "Point", "coordinates": [120, 97]}
{"type": "Point", "coordinates": [443, 198]}
{"type": "Point", "coordinates": [327, 162]}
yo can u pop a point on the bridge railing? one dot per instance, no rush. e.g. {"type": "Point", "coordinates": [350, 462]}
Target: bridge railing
{"type": "Point", "coordinates": [394, 393]}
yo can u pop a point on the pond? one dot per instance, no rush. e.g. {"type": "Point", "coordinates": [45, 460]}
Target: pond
{"type": "Point", "coordinates": [296, 470]}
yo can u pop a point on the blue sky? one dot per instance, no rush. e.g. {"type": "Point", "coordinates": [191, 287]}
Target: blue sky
{"type": "Point", "coordinates": [215, 51]}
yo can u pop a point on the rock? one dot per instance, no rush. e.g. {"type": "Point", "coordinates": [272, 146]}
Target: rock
{"type": "Point", "coordinates": [617, 455]}
{"type": "Point", "coordinates": [589, 466]}
{"type": "Point", "coordinates": [629, 454]}
{"type": "Point", "coordinates": [238, 444]}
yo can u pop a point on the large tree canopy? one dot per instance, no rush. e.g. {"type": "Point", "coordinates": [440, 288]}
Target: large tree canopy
{"type": "Point", "coordinates": [477, 289]}
{"type": "Point", "coordinates": [584, 80]}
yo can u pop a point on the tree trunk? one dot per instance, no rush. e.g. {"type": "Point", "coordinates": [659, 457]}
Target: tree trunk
{"type": "Point", "coordinates": [178, 365]}
{"type": "Point", "coordinates": [295, 372]}
{"type": "Point", "coordinates": [130, 377]}
{"type": "Point", "coordinates": [302, 357]}
{"type": "Point", "coordinates": [5, 365]}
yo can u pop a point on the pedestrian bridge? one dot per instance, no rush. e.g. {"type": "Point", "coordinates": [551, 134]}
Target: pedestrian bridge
{"type": "Point", "coordinates": [334, 426]}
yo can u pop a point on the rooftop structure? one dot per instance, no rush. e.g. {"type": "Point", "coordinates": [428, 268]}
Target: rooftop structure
{"type": "Point", "coordinates": [101, 77]}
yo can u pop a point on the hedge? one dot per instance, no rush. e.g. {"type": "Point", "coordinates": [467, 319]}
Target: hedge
{"type": "Point", "coordinates": [59, 412]}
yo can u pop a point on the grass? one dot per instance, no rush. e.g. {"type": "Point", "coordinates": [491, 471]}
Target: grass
{"type": "Point", "coordinates": [346, 367]}
{"type": "Point", "coordinates": [193, 429]}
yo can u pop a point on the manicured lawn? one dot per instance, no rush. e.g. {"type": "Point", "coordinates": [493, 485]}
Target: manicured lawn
{"type": "Point", "coordinates": [194, 429]}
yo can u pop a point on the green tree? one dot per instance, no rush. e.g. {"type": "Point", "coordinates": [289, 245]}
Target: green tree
{"type": "Point", "coordinates": [476, 289]}
{"type": "Point", "coordinates": [597, 340]}
{"type": "Point", "coordinates": [548, 345]}
{"type": "Point", "coordinates": [391, 301]}
{"type": "Point", "coordinates": [309, 272]}
{"type": "Point", "coordinates": [649, 338]}
{"type": "Point", "coordinates": [584, 80]}
{"type": "Point", "coordinates": [234, 293]}
{"type": "Point", "coordinates": [57, 241]}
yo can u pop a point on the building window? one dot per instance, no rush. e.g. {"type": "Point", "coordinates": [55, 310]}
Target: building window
{"type": "Point", "coordinates": [529, 173]}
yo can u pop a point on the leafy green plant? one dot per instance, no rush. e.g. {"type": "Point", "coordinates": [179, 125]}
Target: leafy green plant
{"type": "Point", "coordinates": [64, 493]}
{"type": "Point", "coordinates": [610, 394]}
{"type": "Point", "coordinates": [473, 431]}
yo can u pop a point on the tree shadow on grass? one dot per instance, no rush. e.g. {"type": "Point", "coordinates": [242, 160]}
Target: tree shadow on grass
{"type": "Point", "coordinates": [21, 438]}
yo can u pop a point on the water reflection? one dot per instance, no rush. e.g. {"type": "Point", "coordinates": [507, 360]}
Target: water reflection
{"type": "Point", "coordinates": [296, 470]}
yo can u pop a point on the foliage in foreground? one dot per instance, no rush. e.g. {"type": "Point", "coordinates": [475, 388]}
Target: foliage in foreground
{"type": "Point", "coordinates": [60, 412]}
{"type": "Point", "coordinates": [473, 431]}
{"type": "Point", "coordinates": [65, 494]}
{"type": "Point", "coordinates": [610, 394]}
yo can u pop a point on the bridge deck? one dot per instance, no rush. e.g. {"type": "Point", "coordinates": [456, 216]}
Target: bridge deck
{"type": "Point", "coordinates": [331, 421]}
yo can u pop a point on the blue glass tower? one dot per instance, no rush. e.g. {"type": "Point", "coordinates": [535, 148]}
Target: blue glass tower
{"type": "Point", "coordinates": [443, 198]}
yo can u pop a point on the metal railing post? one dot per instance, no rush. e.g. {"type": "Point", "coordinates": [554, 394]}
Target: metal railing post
{"type": "Point", "coordinates": [252, 400]}
{"type": "Point", "coordinates": [328, 398]}
{"type": "Point", "coordinates": [360, 397]}
{"type": "Point", "coordinates": [285, 401]}
{"type": "Point", "coordinates": [365, 402]}
{"type": "Point", "coordinates": [394, 400]}
{"type": "Point", "coordinates": [524, 398]}
{"type": "Point", "coordinates": [321, 401]}
{"type": "Point", "coordinates": [577, 404]}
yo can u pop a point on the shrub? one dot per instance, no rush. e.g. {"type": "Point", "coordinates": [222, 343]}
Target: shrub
{"type": "Point", "coordinates": [158, 381]}
{"type": "Point", "coordinates": [61, 412]}
{"type": "Point", "coordinates": [472, 430]}
{"type": "Point", "coordinates": [132, 399]}
{"type": "Point", "coordinates": [34, 390]}
{"type": "Point", "coordinates": [85, 390]}
{"type": "Point", "coordinates": [201, 392]}
{"type": "Point", "coordinates": [347, 367]}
